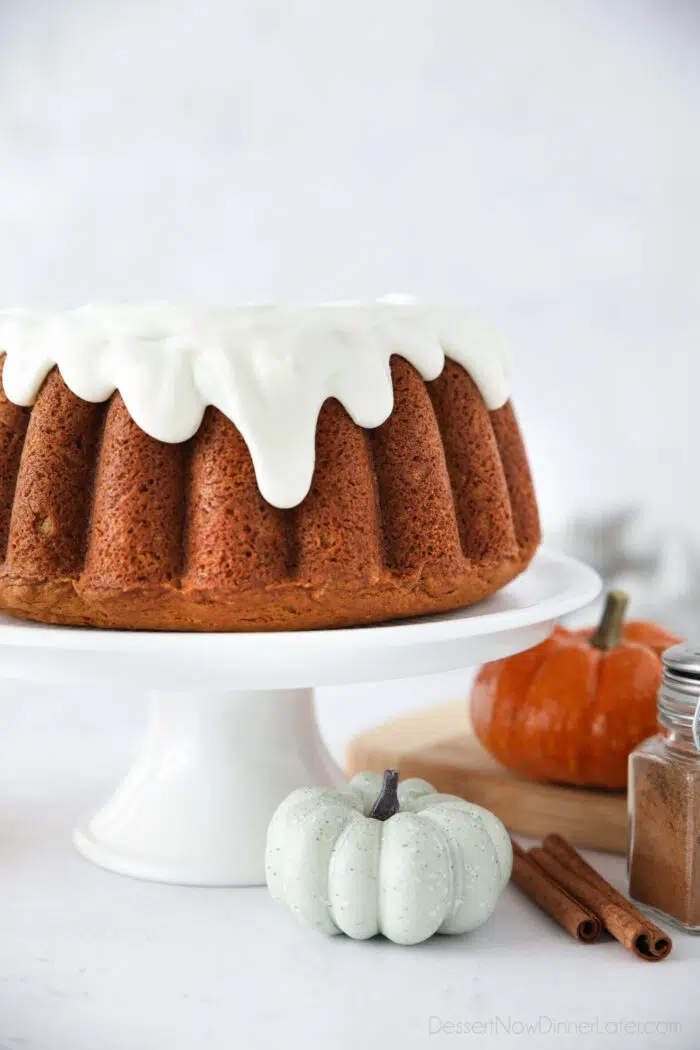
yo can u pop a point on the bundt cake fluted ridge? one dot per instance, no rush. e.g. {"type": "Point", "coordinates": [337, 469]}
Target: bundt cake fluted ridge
{"type": "Point", "coordinates": [102, 524]}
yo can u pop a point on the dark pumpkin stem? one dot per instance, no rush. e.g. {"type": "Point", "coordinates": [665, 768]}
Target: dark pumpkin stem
{"type": "Point", "coordinates": [609, 631]}
{"type": "Point", "coordinates": [388, 802]}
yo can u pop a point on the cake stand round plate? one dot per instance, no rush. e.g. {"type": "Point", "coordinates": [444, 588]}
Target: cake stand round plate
{"type": "Point", "coordinates": [233, 727]}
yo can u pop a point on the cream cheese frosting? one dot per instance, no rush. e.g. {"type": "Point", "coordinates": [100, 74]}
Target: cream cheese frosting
{"type": "Point", "coordinates": [268, 367]}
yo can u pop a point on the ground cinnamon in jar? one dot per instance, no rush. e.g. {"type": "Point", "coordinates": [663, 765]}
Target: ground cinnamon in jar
{"type": "Point", "coordinates": [664, 798]}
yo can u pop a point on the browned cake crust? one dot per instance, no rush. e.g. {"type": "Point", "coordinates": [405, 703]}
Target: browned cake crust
{"type": "Point", "coordinates": [105, 526]}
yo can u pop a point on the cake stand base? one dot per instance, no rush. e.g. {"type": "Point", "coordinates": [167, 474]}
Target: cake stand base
{"type": "Point", "coordinates": [196, 804]}
{"type": "Point", "coordinates": [233, 728]}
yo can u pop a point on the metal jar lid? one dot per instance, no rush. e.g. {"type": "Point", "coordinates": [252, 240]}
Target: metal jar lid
{"type": "Point", "coordinates": [679, 694]}
{"type": "Point", "coordinates": [683, 660]}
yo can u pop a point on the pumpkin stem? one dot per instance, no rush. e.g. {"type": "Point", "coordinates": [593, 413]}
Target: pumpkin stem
{"type": "Point", "coordinates": [609, 631]}
{"type": "Point", "coordinates": [387, 803]}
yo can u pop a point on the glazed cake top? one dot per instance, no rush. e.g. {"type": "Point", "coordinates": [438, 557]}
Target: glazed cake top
{"type": "Point", "coordinates": [268, 367]}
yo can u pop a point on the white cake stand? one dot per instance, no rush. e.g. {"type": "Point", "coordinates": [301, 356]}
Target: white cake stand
{"type": "Point", "coordinates": [233, 727]}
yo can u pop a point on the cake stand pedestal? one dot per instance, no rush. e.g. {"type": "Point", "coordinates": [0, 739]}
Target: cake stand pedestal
{"type": "Point", "coordinates": [233, 727]}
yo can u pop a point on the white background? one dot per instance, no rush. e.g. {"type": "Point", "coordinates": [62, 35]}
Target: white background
{"type": "Point", "coordinates": [539, 159]}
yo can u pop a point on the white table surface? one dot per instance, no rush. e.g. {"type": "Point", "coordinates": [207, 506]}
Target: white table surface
{"type": "Point", "coordinates": [93, 961]}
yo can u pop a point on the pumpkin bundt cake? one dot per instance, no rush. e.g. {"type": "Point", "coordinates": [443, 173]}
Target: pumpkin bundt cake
{"type": "Point", "coordinates": [256, 468]}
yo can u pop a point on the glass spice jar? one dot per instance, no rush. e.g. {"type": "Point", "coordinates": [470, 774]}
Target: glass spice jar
{"type": "Point", "coordinates": [664, 798]}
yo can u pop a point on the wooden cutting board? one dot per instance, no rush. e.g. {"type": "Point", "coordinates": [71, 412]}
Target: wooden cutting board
{"type": "Point", "coordinates": [438, 745]}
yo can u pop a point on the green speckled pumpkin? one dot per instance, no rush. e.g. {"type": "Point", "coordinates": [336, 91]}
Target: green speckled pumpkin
{"type": "Point", "coordinates": [372, 858]}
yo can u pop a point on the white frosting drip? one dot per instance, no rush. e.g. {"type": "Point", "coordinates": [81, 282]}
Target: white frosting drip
{"type": "Point", "coordinates": [268, 368]}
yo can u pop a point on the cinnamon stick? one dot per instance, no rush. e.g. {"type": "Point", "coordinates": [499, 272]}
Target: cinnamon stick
{"type": "Point", "coordinates": [553, 899]}
{"type": "Point", "coordinates": [624, 926]}
{"type": "Point", "coordinates": [651, 942]}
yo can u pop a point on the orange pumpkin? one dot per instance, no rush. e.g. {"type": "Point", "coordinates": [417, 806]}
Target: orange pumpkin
{"type": "Point", "coordinates": [571, 709]}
